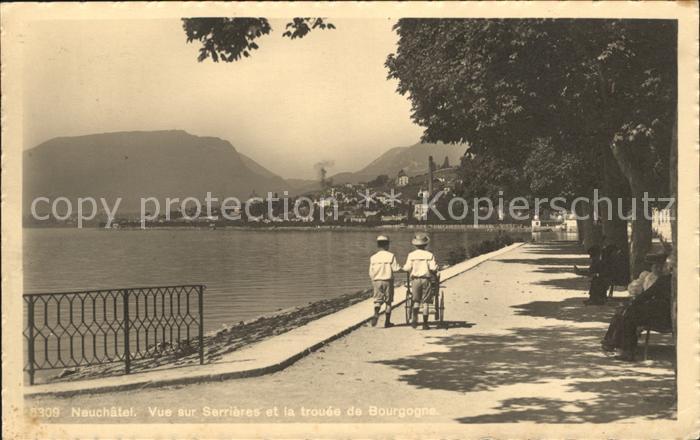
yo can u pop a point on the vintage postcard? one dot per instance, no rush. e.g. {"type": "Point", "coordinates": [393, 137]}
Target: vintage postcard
{"type": "Point", "coordinates": [350, 220]}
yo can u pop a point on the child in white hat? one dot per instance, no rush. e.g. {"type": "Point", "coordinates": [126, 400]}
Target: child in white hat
{"type": "Point", "coordinates": [382, 266]}
{"type": "Point", "coordinates": [422, 267]}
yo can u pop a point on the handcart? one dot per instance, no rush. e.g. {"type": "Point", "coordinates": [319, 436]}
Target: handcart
{"type": "Point", "coordinates": [436, 300]}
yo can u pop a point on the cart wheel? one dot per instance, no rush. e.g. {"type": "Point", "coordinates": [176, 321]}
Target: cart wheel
{"type": "Point", "coordinates": [408, 307]}
{"type": "Point", "coordinates": [442, 306]}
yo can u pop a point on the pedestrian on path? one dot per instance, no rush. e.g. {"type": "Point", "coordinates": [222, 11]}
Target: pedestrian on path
{"type": "Point", "coordinates": [382, 266]}
{"type": "Point", "coordinates": [599, 280]}
{"type": "Point", "coordinates": [422, 268]}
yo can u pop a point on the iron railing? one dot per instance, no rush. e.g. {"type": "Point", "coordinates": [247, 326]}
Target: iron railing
{"type": "Point", "coordinates": [84, 328]}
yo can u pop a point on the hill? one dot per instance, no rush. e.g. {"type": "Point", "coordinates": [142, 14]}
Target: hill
{"type": "Point", "coordinates": [257, 168]}
{"type": "Point", "coordinates": [139, 164]}
{"type": "Point", "coordinates": [413, 160]}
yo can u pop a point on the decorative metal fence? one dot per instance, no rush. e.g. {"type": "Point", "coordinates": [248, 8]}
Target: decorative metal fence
{"type": "Point", "coordinates": [76, 329]}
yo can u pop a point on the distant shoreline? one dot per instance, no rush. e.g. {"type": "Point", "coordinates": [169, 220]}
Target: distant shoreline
{"type": "Point", "coordinates": [446, 227]}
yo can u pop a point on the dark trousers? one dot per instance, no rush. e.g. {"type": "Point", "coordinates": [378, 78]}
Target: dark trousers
{"type": "Point", "coordinates": [598, 290]}
{"type": "Point", "coordinates": [651, 308]}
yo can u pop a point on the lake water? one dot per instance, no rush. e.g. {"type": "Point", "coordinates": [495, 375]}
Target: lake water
{"type": "Point", "coordinates": [247, 273]}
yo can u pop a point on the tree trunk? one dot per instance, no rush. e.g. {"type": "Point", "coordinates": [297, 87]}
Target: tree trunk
{"type": "Point", "coordinates": [579, 231]}
{"type": "Point", "coordinates": [641, 226]}
{"type": "Point", "coordinates": [591, 231]}
{"type": "Point", "coordinates": [641, 240]}
{"type": "Point", "coordinates": [616, 188]}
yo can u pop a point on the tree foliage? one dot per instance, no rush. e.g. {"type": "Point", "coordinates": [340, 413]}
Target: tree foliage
{"type": "Point", "coordinates": [487, 176]}
{"type": "Point", "coordinates": [596, 90]}
{"type": "Point", "coordinates": [228, 39]}
{"type": "Point", "coordinates": [556, 171]}
{"type": "Point", "coordinates": [502, 84]}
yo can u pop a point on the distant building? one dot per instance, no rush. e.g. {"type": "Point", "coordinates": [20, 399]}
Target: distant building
{"type": "Point", "coordinates": [401, 179]}
{"type": "Point", "coordinates": [661, 223]}
{"type": "Point", "coordinates": [327, 202]}
{"type": "Point", "coordinates": [232, 211]}
{"type": "Point", "coordinates": [344, 216]}
{"type": "Point", "coordinates": [539, 225]}
{"type": "Point", "coordinates": [570, 223]}
{"type": "Point", "coordinates": [301, 218]}
{"type": "Point", "coordinates": [420, 211]}
{"type": "Point", "coordinates": [395, 218]}
{"type": "Point", "coordinates": [357, 216]}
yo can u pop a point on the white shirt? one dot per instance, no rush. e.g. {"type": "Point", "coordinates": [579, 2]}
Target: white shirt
{"type": "Point", "coordinates": [649, 280]}
{"type": "Point", "coordinates": [382, 266]}
{"type": "Point", "coordinates": [643, 282]}
{"type": "Point", "coordinates": [420, 263]}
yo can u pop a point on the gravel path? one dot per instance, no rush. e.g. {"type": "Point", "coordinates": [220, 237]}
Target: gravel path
{"type": "Point", "coordinates": [520, 346]}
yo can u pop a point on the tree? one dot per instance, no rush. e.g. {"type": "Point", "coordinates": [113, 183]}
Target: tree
{"type": "Point", "coordinates": [637, 74]}
{"type": "Point", "coordinates": [606, 87]}
{"type": "Point", "coordinates": [227, 39]}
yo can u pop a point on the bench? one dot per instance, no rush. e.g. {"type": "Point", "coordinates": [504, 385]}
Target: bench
{"type": "Point", "coordinates": [648, 329]}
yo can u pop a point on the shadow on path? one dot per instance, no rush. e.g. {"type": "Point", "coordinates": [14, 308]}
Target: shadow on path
{"type": "Point", "coordinates": [596, 388]}
{"type": "Point", "coordinates": [548, 261]}
{"type": "Point", "coordinates": [444, 325]}
{"type": "Point", "coordinates": [570, 309]}
{"type": "Point", "coordinates": [572, 251]}
{"type": "Point", "coordinates": [531, 356]}
{"type": "Point", "coordinates": [555, 266]}
{"type": "Point", "coordinates": [578, 283]}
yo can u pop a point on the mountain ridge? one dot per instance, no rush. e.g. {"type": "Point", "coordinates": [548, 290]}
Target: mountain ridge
{"type": "Point", "coordinates": [135, 164]}
{"type": "Point", "coordinates": [413, 160]}
{"type": "Point", "coordinates": [174, 163]}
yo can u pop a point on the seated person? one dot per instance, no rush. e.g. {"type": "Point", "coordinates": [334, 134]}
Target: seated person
{"type": "Point", "coordinates": [644, 281]}
{"type": "Point", "coordinates": [650, 305]}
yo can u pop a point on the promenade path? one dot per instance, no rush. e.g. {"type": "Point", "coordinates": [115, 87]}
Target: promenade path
{"type": "Point", "coordinates": [520, 346]}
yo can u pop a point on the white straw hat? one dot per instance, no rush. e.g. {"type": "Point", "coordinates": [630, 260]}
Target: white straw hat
{"type": "Point", "coordinates": [420, 239]}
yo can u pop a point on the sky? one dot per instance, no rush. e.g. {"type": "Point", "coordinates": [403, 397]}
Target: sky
{"type": "Point", "coordinates": [290, 105]}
